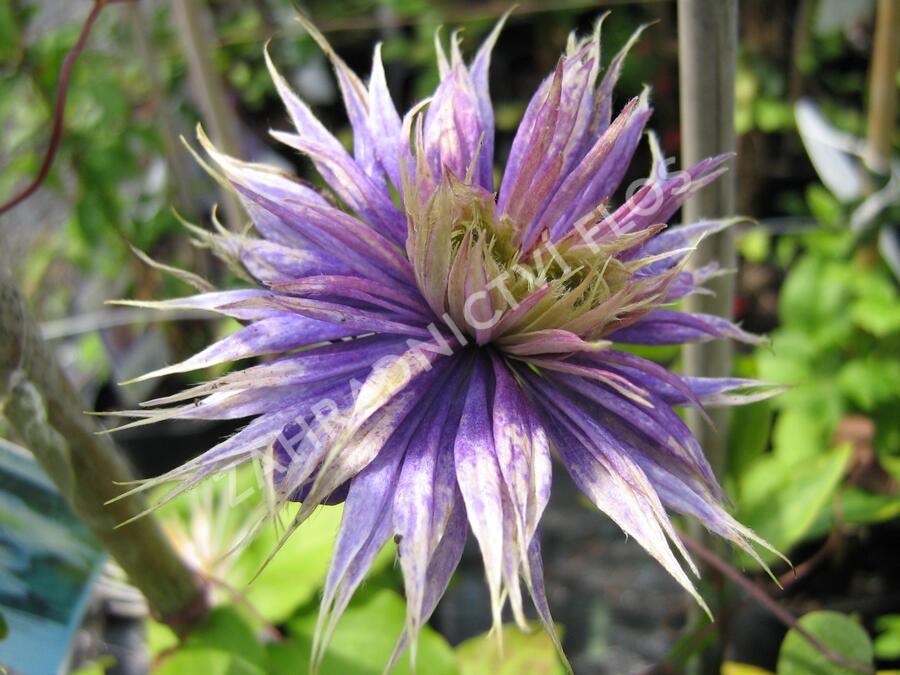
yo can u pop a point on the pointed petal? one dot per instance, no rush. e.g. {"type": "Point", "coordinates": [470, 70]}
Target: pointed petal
{"type": "Point", "coordinates": [425, 493]}
{"type": "Point", "coordinates": [597, 175]}
{"type": "Point", "coordinates": [479, 71]}
{"type": "Point", "coordinates": [619, 488]}
{"type": "Point", "coordinates": [452, 124]}
{"type": "Point", "coordinates": [658, 424]}
{"type": "Point", "coordinates": [338, 233]}
{"type": "Point", "coordinates": [397, 301]}
{"type": "Point", "coordinates": [548, 341]}
{"type": "Point", "coordinates": [480, 481]}
{"type": "Point", "coordinates": [539, 598]}
{"type": "Point", "coordinates": [604, 92]}
{"type": "Point", "coordinates": [529, 147]}
{"type": "Point", "coordinates": [279, 333]}
{"type": "Point", "coordinates": [267, 260]}
{"type": "Point", "coordinates": [656, 202]}
{"type": "Point", "coordinates": [329, 361]}
{"type": "Point", "coordinates": [523, 455]}
{"type": "Point", "coordinates": [356, 102]}
{"type": "Point", "coordinates": [384, 123]}
{"type": "Point", "coordinates": [443, 563]}
{"type": "Point", "coordinates": [359, 191]}
{"type": "Point", "coordinates": [670, 327]}
{"type": "Point", "coordinates": [219, 302]}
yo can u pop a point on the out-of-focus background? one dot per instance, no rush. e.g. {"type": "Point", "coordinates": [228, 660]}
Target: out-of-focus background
{"type": "Point", "coordinates": [814, 471]}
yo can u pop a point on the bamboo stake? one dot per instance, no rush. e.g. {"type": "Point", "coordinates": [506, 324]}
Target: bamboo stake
{"type": "Point", "coordinates": [707, 61]}
{"type": "Point", "coordinates": [707, 55]}
{"type": "Point", "coordinates": [882, 114]}
{"type": "Point", "coordinates": [40, 403]}
{"type": "Point", "coordinates": [194, 25]}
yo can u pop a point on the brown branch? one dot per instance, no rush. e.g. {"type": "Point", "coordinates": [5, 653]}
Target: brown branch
{"type": "Point", "coordinates": [767, 603]}
{"type": "Point", "coordinates": [805, 568]}
{"type": "Point", "coordinates": [59, 108]}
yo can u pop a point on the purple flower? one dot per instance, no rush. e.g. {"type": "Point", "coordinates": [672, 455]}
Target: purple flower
{"type": "Point", "coordinates": [437, 338]}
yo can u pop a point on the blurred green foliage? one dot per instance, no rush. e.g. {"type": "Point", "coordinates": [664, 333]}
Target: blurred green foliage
{"type": "Point", "coordinates": [837, 349]}
{"type": "Point", "coordinates": [241, 637]}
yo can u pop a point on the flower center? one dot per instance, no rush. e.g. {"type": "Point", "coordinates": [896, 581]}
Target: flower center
{"type": "Point", "coordinates": [470, 268]}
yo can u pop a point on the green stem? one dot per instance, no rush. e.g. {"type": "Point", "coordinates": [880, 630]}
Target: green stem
{"type": "Point", "coordinates": [44, 409]}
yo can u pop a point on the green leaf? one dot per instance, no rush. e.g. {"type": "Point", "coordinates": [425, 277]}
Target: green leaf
{"type": "Point", "coordinates": [773, 115]}
{"type": "Point", "coordinates": [878, 316]}
{"type": "Point", "coordinates": [9, 31]}
{"type": "Point", "coordinates": [364, 641]}
{"type": "Point", "coordinates": [798, 657]}
{"type": "Point", "coordinates": [296, 573]}
{"type": "Point", "coordinates": [870, 381]}
{"type": "Point", "coordinates": [825, 206]}
{"type": "Point", "coordinates": [748, 435]}
{"type": "Point", "coordinates": [207, 662]}
{"type": "Point", "coordinates": [226, 631]}
{"type": "Point", "coordinates": [782, 501]}
{"type": "Point", "coordinates": [756, 245]}
{"type": "Point", "coordinates": [887, 644]}
{"type": "Point", "coordinates": [288, 657]}
{"type": "Point", "coordinates": [522, 654]}
{"type": "Point", "coordinates": [735, 668]}
{"type": "Point", "coordinates": [815, 292]}
{"type": "Point", "coordinates": [790, 360]}
{"type": "Point", "coordinates": [4, 628]}
{"type": "Point", "coordinates": [160, 638]}
{"type": "Point", "coordinates": [799, 434]}
{"type": "Point", "coordinates": [857, 507]}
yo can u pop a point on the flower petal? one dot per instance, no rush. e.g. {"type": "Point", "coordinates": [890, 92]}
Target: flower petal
{"type": "Point", "coordinates": [480, 481]}
{"type": "Point", "coordinates": [384, 123]}
{"type": "Point", "coordinates": [669, 327]}
{"type": "Point", "coordinates": [479, 73]}
{"type": "Point", "coordinates": [523, 455]}
{"type": "Point", "coordinates": [360, 192]}
{"type": "Point", "coordinates": [453, 127]}
{"type": "Point", "coordinates": [280, 333]}
{"type": "Point", "coordinates": [339, 233]}
{"type": "Point", "coordinates": [619, 488]}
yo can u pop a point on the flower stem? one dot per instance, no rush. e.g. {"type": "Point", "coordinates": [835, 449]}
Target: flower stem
{"type": "Point", "coordinates": [43, 407]}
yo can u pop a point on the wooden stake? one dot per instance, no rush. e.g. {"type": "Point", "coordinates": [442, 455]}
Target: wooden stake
{"type": "Point", "coordinates": [707, 61]}
{"type": "Point", "coordinates": [882, 117]}
{"type": "Point", "coordinates": [195, 28]}
{"type": "Point", "coordinates": [707, 55]}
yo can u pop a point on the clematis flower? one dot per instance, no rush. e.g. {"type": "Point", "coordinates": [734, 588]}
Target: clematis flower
{"type": "Point", "coordinates": [438, 339]}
